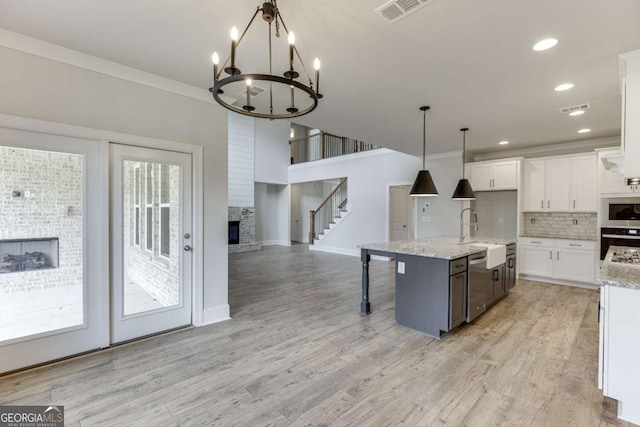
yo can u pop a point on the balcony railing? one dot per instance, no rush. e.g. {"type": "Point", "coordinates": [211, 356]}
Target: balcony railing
{"type": "Point", "coordinates": [324, 145]}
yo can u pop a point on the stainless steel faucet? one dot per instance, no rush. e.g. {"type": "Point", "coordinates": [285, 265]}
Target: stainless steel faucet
{"type": "Point", "coordinates": [475, 223]}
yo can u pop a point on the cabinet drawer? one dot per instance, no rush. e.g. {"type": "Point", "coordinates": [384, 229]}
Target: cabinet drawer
{"type": "Point", "coordinates": [575, 244]}
{"type": "Point", "coordinates": [536, 241]}
{"type": "Point", "coordinates": [511, 249]}
{"type": "Point", "coordinates": [457, 266]}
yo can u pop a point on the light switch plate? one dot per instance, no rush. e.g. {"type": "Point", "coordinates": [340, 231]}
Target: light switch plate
{"type": "Point", "coordinates": [400, 267]}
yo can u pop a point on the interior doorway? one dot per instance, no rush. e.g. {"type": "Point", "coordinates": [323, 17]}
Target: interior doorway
{"type": "Point", "coordinates": [401, 213]}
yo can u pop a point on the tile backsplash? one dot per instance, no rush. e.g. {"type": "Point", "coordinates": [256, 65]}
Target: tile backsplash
{"type": "Point", "coordinates": [570, 225]}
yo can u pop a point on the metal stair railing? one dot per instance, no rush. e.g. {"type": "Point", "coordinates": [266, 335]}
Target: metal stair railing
{"type": "Point", "coordinates": [328, 211]}
{"type": "Point", "coordinates": [324, 145]}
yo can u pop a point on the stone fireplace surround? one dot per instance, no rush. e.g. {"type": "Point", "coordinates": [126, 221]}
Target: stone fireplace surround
{"type": "Point", "coordinates": [247, 218]}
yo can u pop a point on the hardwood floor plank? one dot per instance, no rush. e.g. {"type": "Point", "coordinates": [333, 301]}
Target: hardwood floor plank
{"type": "Point", "coordinates": [297, 353]}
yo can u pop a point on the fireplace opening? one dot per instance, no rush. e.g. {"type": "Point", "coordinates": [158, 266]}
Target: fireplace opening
{"type": "Point", "coordinates": [234, 232]}
{"type": "Point", "coordinates": [28, 254]}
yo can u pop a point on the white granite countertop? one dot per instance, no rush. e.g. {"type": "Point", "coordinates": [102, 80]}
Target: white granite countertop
{"type": "Point", "coordinates": [558, 236]}
{"type": "Point", "coordinates": [619, 274]}
{"type": "Point", "coordinates": [444, 247]}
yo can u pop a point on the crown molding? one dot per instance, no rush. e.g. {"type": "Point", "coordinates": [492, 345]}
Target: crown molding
{"type": "Point", "coordinates": [64, 55]}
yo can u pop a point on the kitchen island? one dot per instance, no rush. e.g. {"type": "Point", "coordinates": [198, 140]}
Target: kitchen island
{"type": "Point", "coordinates": [619, 369]}
{"type": "Point", "coordinates": [433, 292]}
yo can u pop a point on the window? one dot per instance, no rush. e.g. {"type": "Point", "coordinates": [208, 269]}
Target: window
{"type": "Point", "coordinates": [136, 204]}
{"type": "Point", "coordinates": [149, 206]}
{"type": "Point", "coordinates": [165, 210]}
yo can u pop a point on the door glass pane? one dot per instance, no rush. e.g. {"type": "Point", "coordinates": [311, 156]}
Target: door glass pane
{"type": "Point", "coordinates": [151, 271]}
{"type": "Point", "coordinates": [41, 241]}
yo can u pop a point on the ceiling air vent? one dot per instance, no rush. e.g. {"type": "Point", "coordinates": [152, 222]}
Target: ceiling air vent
{"type": "Point", "coordinates": [398, 9]}
{"type": "Point", "coordinates": [571, 109]}
{"type": "Point", "coordinates": [241, 97]}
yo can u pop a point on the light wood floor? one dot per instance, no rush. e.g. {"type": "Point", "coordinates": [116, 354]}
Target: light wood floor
{"type": "Point", "coordinates": [298, 353]}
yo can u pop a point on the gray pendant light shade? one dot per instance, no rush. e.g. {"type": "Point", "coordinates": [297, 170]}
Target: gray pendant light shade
{"type": "Point", "coordinates": [463, 191]}
{"type": "Point", "coordinates": [423, 185]}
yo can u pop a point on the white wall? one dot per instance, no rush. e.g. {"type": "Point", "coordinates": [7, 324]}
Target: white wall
{"type": "Point", "coordinates": [442, 215]}
{"type": "Point", "coordinates": [44, 89]}
{"type": "Point", "coordinates": [241, 160]}
{"type": "Point", "coordinates": [272, 151]}
{"type": "Point", "coordinates": [310, 195]}
{"type": "Point", "coordinates": [272, 214]}
{"type": "Point", "coordinates": [369, 174]}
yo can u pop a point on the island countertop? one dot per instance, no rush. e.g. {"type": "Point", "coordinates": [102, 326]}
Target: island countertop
{"type": "Point", "coordinates": [619, 274]}
{"type": "Point", "coordinates": [443, 247]}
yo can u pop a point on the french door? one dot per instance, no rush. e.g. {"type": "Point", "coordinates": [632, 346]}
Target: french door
{"type": "Point", "coordinates": [53, 251]}
{"type": "Point", "coordinates": [151, 258]}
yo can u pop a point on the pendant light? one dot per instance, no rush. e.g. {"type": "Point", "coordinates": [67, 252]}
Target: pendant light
{"type": "Point", "coordinates": [463, 190]}
{"type": "Point", "coordinates": [423, 185]}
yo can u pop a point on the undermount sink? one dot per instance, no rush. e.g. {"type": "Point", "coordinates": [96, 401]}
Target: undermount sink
{"type": "Point", "coordinates": [496, 254]}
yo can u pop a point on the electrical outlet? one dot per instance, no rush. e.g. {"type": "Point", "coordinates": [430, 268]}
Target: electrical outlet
{"type": "Point", "coordinates": [400, 267]}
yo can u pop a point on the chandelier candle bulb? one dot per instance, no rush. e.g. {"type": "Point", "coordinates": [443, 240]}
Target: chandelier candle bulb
{"type": "Point", "coordinates": [316, 66]}
{"type": "Point", "coordinates": [292, 43]}
{"type": "Point", "coordinates": [216, 60]}
{"type": "Point", "coordinates": [234, 41]}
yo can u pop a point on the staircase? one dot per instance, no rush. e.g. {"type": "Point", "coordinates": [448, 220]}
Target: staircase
{"type": "Point", "coordinates": [329, 214]}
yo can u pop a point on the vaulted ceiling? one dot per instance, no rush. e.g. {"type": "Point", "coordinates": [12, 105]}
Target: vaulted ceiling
{"type": "Point", "coordinates": [471, 61]}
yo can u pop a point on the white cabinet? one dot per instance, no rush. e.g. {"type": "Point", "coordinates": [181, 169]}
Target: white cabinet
{"type": "Point", "coordinates": [619, 349]}
{"type": "Point", "coordinates": [631, 112]}
{"type": "Point", "coordinates": [560, 184]}
{"type": "Point", "coordinates": [585, 181]}
{"type": "Point", "coordinates": [611, 165]}
{"type": "Point", "coordinates": [493, 176]}
{"type": "Point", "coordinates": [565, 260]}
{"type": "Point", "coordinates": [536, 257]}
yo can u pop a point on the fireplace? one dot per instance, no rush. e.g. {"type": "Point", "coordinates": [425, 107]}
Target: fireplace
{"type": "Point", "coordinates": [28, 254]}
{"type": "Point", "coordinates": [234, 232]}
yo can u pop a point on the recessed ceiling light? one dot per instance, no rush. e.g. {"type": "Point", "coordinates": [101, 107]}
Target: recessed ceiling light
{"type": "Point", "coordinates": [545, 44]}
{"type": "Point", "coordinates": [577, 113]}
{"type": "Point", "coordinates": [564, 86]}
{"type": "Point", "coordinates": [503, 142]}
{"type": "Point", "coordinates": [585, 130]}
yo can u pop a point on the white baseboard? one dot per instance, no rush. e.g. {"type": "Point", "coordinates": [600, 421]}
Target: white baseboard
{"type": "Point", "coordinates": [344, 251]}
{"type": "Point", "coordinates": [215, 314]}
{"type": "Point", "coordinates": [558, 281]}
{"type": "Point", "coordinates": [275, 243]}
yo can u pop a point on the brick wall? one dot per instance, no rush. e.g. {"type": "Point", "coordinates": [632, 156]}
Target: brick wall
{"type": "Point", "coordinates": [560, 224]}
{"type": "Point", "coordinates": [247, 218]}
{"type": "Point", "coordinates": [54, 208]}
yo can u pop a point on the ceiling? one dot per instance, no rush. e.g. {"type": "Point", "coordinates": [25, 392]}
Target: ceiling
{"type": "Point", "coordinates": [471, 61]}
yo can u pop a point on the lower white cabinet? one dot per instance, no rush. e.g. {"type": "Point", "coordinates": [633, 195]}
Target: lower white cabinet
{"type": "Point", "coordinates": [566, 260]}
{"type": "Point", "coordinates": [618, 371]}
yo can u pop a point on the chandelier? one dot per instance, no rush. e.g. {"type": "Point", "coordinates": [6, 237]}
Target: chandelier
{"type": "Point", "coordinates": [285, 96]}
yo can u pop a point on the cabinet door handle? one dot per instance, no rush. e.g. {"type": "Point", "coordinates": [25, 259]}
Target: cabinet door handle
{"type": "Point", "coordinates": [574, 244]}
{"type": "Point", "coordinates": [510, 262]}
{"type": "Point", "coordinates": [495, 275]}
{"type": "Point", "coordinates": [548, 204]}
{"type": "Point", "coordinates": [558, 256]}
{"type": "Point", "coordinates": [550, 254]}
{"type": "Point", "coordinates": [574, 204]}
{"type": "Point", "coordinates": [535, 241]}
{"type": "Point", "coordinates": [541, 204]}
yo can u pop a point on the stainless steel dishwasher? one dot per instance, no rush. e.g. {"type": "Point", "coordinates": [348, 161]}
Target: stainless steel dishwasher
{"type": "Point", "coordinates": [480, 286]}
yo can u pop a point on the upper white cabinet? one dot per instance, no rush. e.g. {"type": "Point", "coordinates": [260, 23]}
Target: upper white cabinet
{"type": "Point", "coordinates": [610, 172]}
{"type": "Point", "coordinates": [630, 85]}
{"type": "Point", "coordinates": [560, 184]}
{"type": "Point", "coordinates": [494, 176]}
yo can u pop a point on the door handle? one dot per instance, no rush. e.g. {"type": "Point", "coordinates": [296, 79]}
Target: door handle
{"type": "Point", "coordinates": [187, 248]}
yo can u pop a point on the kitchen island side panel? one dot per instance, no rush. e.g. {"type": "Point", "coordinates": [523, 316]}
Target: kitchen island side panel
{"type": "Point", "coordinates": [422, 294]}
